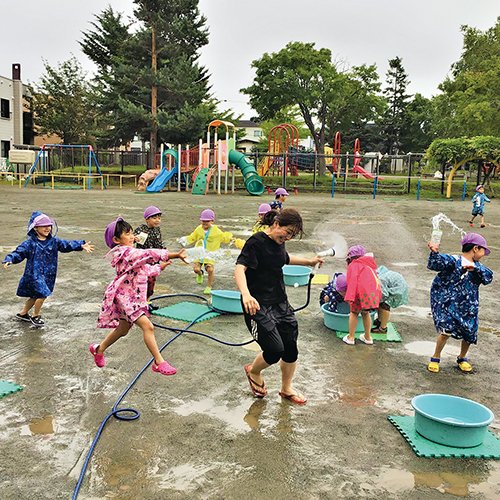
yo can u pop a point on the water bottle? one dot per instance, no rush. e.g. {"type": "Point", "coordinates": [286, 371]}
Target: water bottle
{"type": "Point", "coordinates": [436, 236]}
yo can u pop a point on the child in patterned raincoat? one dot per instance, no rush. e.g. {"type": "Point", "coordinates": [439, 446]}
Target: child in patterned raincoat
{"type": "Point", "coordinates": [455, 296]}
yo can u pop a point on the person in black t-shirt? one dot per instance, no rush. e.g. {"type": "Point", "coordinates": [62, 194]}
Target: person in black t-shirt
{"type": "Point", "coordinates": [268, 315]}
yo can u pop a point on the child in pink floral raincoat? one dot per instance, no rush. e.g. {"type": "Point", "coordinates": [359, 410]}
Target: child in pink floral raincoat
{"type": "Point", "coordinates": [125, 299]}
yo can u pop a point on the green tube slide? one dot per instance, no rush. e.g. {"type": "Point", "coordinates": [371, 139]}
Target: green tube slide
{"type": "Point", "coordinates": [251, 178]}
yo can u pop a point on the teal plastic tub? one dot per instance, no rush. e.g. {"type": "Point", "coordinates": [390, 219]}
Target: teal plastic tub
{"type": "Point", "coordinates": [339, 321]}
{"type": "Point", "coordinates": [227, 301]}
{"type": "Point", "coordinates": [451, 420]}
{"type": "Point", "coordinates": [296, 275]}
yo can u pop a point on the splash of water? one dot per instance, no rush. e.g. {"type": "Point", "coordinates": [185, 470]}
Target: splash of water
{"type": "Point", "coordinates": [336, 241]}
{"type": "Point", "coordinates": [442, 218]}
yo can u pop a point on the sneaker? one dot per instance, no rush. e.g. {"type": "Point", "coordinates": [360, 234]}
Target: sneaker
{"type": "Point", "coordinates": [37, 321]}
{"type": "Point", "coordinates": [23, 317]}
{"type": "Point", "coordinates": [207, 290]}
{"type": "Point", "coordinates": [471, 224]}
{"type": "Point", "coordinates": [99, 359]}
{"type": "Point", "coordinates": [483, 225]}
{"type": "Point", "coordinates": [199, 278]}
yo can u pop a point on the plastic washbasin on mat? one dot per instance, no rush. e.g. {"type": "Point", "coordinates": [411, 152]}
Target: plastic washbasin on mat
{"type": "Point", "coordinates": [296, 275]}
{"type": "Point", "coordinates": [451, 420]}
{"type": "Point", "coordinates": [227, 301]}
{"type": "Point", "coordinates": [339, 321]}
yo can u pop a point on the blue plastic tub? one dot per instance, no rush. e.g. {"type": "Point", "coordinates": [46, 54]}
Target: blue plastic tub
{"type": "Point", "coordinates": [227, 301]}
{"type": "Point", "coordinates": [451, 420]}
{"type": "Point", "coordinates": [339, 321]}
{"type": "Point", "coordinates": [296, 275]}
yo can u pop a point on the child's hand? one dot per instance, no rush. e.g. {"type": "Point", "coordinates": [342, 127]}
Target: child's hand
{"type": "Point", "coordinates": [183, 255]}
{"type": "Point", "coordinates": [183, 241]}
{"type": "Point", "coordinates": [6, 264]}
{"type": "Point", "coordinates": [88, 247]}
{"type": "Point", "coordinates": [165, 263]}
{"type": "Point", "coordinates": [434, 247]}
{"type": "Point", "coordinates": [250, 304]}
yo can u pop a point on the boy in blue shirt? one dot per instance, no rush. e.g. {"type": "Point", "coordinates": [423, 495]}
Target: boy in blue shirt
{"type": "Point", "coordinates": [478, 201]}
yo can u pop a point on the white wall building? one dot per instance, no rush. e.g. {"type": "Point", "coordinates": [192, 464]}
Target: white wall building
{"type": "Point", "coordinates": [15, 122]}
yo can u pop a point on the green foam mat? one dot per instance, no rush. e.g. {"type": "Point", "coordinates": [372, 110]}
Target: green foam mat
{"type": "Point", "coordinates": [490, 448]}
{"type": "Point", "coordinates": [186, 311]}
{"type": "Point", "coordinates": [392, 334]}
{"type": "Point", "coordinates": [7, 388]}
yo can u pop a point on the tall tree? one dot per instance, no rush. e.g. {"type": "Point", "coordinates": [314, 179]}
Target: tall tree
{"type": "Point", "coordinates": [397, 99]}
{"type": "Point", "coordinates": [154, 86]}
{"type": "Point", "coordinates": [301, 75]}
{"type": "Point", "coordinates": [470, 101]}
{"type": "Point", "coordinates": [61, 103]}
{"type": "Point", "coordinates": [416, 133]}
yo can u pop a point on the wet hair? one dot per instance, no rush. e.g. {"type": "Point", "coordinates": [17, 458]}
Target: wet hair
{"type": "Point", "coordinates": [121, 227]}
{"type": "Point", "coordinates": [469, 246]}
{"type": "Point", "coordinates": [287, 217]}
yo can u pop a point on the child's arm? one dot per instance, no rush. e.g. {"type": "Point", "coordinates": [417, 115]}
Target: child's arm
{"type": "Point", "coordinates": [483, 273]}
{"type": "Point", "coordinates": [438, 261]}
{"type": "Point", "coordinates": [193, 237]}
{"type": "Point", "coordinates": [65, 246]}
{"type": "Point", "coordinates": [486, 199]}
{"type": "Point", "coordinates": [181, 254]}
{"type": "Point", "coordinates": [226, 237]}
{"type": "Point", "coordinates": [18, 255]}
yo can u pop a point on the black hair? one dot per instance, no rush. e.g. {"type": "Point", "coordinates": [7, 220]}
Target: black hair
{"type": "Point", "coordinates": [268, 217]}
{"type": "Point", "coordinates": [121, 227]}
{"type": "Point", "coordinates": [469, 246]}
{"type": "Point", "coordinates": [290, 217]}
{"type": "Point", "coordinates": [277, 196]}
{"type": "Point", "coordinates": [350, 259]}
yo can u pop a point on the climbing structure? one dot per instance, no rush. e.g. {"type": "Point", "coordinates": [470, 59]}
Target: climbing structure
{"type": "Point", "coordinates": [282, 140]}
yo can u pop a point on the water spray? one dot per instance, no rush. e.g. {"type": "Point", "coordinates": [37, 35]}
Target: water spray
{"type": "Point", "coordinates": [437, 233]}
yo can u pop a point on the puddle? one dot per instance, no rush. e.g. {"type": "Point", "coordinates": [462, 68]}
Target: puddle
{"type": "Point", "coordinates": [44, 426]}
{"type": "Point", "coordinates": [405, 264]}
{"type": "Point", "coordinates": [232, 416]}
{"type": "Point", "coordinates": [452, 483]}
{"type": "Point", "coordinates": [394, 480]}
{"type": "Point", "coordinates": [418, 311]}
{"type": "Point", "coordinates": [425, 348]}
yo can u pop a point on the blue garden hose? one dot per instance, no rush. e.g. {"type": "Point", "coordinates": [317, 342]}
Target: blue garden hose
{"type": "Point", "coordinates": [129, 414]}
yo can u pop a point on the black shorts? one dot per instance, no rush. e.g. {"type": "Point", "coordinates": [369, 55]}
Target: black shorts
{"type": "Point", "coordinates": [275, 329]}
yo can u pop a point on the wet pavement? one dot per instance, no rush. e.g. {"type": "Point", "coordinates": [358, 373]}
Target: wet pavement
{"type": "Point", "coordinates": [201, 434]}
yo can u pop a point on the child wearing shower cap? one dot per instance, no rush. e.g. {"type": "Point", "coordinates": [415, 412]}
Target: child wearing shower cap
{"type": "Point", "coordinates": [40, 250]}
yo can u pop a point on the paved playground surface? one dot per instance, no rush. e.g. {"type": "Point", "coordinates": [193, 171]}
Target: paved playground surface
{"type": "Point", "coordinates": [201, 434]}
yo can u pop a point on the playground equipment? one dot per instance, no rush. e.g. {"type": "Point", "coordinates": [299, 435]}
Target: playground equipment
{"type": "Point", "coordinates": [283, 139]}
{"type": "Point", "coordinates": [41, 165]}
{"type": "Point", "coordinates": [357, 160]}
{"type": "Point", "coordinates": [217, 159]}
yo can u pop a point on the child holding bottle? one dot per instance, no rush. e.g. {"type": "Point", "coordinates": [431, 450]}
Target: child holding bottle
{"type": "Point", "coordinates": [41, 251]}
{"type": "Point", "coordinates": [455, 296]}
{"type": "Point", "coordinates": [125, 301]}
{"type": "Point", "coordinates": [208, 237]}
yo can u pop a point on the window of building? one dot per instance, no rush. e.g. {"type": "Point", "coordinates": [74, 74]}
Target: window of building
{"type": "Point", "coordinates": [257, 133]}
{"type": "Point", "coordinates": [4, 149]}
{"type": "Point", "coordinates": [4, 108]}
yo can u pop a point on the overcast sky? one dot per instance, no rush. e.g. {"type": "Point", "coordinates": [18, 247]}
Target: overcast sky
{"type": "Point", "coordinates": [425, 33]}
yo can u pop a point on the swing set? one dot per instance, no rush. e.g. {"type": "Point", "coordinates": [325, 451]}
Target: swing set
{"type": "Point", "coordinates": [41, 166]}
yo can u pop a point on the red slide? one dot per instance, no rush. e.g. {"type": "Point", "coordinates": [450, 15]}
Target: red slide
{"type": "Point", "coordinates": [363, 172]}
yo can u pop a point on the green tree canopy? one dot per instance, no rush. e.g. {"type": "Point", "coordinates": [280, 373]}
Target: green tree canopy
{"type": "Point", "coordinates": [61, 103]}
{"type": "Point", "coordinates": [470, 102]}
{"type": "Point", "coordinates": [150, 83]}
{"type": "Point", "coordinates": [301, 75]}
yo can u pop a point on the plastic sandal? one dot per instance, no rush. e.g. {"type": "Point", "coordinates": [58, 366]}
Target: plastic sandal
{"type": "Point", "coordinates": [207, 290]}
{"type": "Point", "coordinates": [258, 390]}
{"type": "Point", "coordinates": [433, 365]}
{"type": "Point", "coordinates": [99, 359]}
{"type": "Point", "coordinates": [294, 398]}
{"type": "Point", "coordinates": [363, 339]}
{"type": "Point", "coordinates": [199, 279]}
{"type": "Point", "coordinates": [164, 368]}
{"type": "Point", "coordinates": [378, 329]}
{"type": "Point", "coordinates": [347, 340]}
{"type": "Point", "coordinates": [464, 365]}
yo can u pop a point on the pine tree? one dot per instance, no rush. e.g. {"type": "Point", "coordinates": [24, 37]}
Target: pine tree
{"type": "Point", "coordinates": [397, 99]}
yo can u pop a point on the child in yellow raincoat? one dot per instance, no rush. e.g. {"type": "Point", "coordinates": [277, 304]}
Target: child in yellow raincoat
{"type": "Point", "coordinates": [209, 237]}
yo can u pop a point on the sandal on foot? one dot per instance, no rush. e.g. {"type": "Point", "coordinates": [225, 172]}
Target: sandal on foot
{"type": "Point", "coordinates": [379, 329]}
{"type": "Point", "coordinates": [164, 368]}
{"type": "Point", "coordinates": [483, 225]}
{"type": "Point", "coordinates": [464, 365]}
{"type": "Point", "coordinates": [294, 398]}
{"type": "Point", "coordinates": [365, 340]}
{"type": "Point", "coordinates": [99, 359]}
{"type": "Point", "coordinates": [199, 278]}
{"type": "Point", "coordinates": [258, 390]}
{"type": "Point", "coordinates": [207, 291]}
{"type": "Point", "coordinates": [347, 340]}
{"type": "Point", "coordinates": [433, 365]}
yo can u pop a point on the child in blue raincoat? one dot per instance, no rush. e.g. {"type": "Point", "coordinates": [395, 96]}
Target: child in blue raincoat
{"type": "Point", "coordinates": [478, 201]}
{"type": "Point", "coordinates": [455, 296]}
{"type": "Point", "coordinates": [41, 252]}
